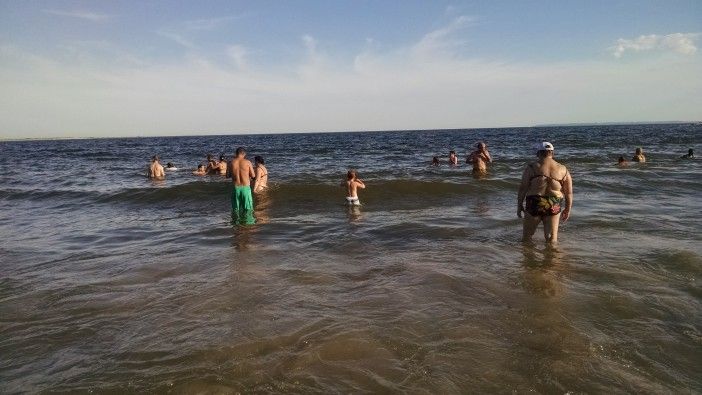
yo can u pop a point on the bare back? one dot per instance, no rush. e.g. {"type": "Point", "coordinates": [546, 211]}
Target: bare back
{"type": "Point", "coordinates": [352, 187]}
{"type": "Point", "coordinates": [242, 172]}
{"type": "Point", "coordinates": [156, 171]}
{"type": "Point", "coordinates": [545, 178]}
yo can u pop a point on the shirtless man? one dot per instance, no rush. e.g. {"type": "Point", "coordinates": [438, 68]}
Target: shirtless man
{"type": "Point", "coordinates": [479, 158]}
{"type": "Point", "coordinates": [242, 201]}
{"type": "Point", "coordinates": [453, 159]}
{"type": "Point", "coordinates": [548, 189]}
{"type": "Point", "coordinates": [261, 182]}
{"type": "Point", "coordinates": [155, 170]}
{"type": "Point", "coordinates": [352, 184]}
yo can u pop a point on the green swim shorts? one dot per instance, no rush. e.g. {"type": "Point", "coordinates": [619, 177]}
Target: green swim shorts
{"type": "Point", "coordinates": [242, 205]}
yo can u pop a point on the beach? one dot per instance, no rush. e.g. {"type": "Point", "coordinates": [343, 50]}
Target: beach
{"type": "Point", "coordinates": [110, 282]}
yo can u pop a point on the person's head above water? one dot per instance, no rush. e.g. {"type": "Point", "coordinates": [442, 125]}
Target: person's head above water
{"type": "Point", "coordinates": [351, 174]}
{"type": "Point", "coordinates": [201, 167]}
{"type": "Point", "coordinates": [435, 160]}
{"type": "Point", "coordinates": [480, 145]}
{"type": "Point", "coordinates": [169, 164]}
{"type": "Point", "coordinates": [240, 152]}
{"type": "Point", "coordinates": [154, 158]}
{"type": "Point", "coordinates": [621, 159]}
{"type": "Point", "coordinates": [543, 149]}
{"type": "Point", "coordinates": [259, 160]}
{"type": "Point", "coordinates": [452, 152]}
{"type": "Point", "coordinates": [639, 151]}
{"type": "Point", "coordinates": [221, 157]}
{"type": "Point", "coordinates": [690, 152]}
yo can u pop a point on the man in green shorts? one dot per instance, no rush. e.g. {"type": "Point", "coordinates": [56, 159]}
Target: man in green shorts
{"type": "Point", "coordinates": [242, 203]}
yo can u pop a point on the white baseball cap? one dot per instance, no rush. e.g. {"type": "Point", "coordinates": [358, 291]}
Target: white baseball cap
{"type": "Point", "coordinates": [543, 146]}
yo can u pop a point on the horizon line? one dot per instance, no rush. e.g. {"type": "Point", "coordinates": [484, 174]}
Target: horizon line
{"type": "Point", "coordinates": [207, 134]}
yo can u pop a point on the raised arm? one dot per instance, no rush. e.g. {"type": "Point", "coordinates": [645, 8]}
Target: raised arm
{"type": "Point", "coordinates": [568, 193]}
{"type": "Point", "coordinates": [360, 184]}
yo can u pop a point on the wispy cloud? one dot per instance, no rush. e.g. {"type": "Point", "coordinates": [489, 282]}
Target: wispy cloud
{"type": "Point", "coordinates": [382, 88]}
{"type": "Point", "coordinates": [177, 38]}
{"type": "Point", "coordinates": [682, 43]}
{"type": "Point", "coordinates": [80, 14]}
{"type": "Point", "coordinates": [442, 39]}
{"type": "Point", "coordinates": [211, 23]}
{"type": "Point", "coordinates": [238, 53]}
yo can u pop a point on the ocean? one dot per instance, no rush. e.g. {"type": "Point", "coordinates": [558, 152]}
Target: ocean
{"type": "Point", "coordinates": [110, 282]}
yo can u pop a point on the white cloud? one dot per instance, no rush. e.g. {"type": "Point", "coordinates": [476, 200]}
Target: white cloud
{"type": "Point", "coordinates": [211, 23]}
{"type": "Point", "coordinates": [682, 43]}
{"type": "Point", "coordinates": [177, 38]}
{"type": "Point", "coordinates": [442, 40]}
{"type": "Point", "coordinates": [80, 14]}
{"type": "Point", "coordinates": [238, 54]}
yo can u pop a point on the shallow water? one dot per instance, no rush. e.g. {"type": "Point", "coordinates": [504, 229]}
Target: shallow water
{"type": "Point", "coordinates": [111, 282]}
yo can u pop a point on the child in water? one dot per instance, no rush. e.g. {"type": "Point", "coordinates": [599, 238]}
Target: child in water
{"type": "Point", "coordinates": [352, 185]}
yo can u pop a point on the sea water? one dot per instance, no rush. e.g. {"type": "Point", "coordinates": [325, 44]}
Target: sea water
{"type": "Point", "coordinates": [112, 282]}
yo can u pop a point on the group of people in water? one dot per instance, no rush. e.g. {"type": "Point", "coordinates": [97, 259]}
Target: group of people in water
{"type": "Point", "coordinates": [545, 192]}
{"type": "Point", "coordinates": [479, 158]}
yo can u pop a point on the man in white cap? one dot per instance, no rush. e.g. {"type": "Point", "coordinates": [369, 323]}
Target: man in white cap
{"type": "Point", "coordinates": [547, 190]}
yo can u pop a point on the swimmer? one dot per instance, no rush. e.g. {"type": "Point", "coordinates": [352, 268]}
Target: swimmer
{"type": "Point", "coordinates": [435, 161]}
{"type": "Point", "coordinates": [212, 165]}
{"type": "Point", "coordinates": [639, 156]}
{"type": "Point", "coordinates": [352, 184]}
{"type": "Point", "coordinates": [621, 162]}
{"type": "Point", "coordinates": [242, 200]}
{"type": "Point", "coordinates": [690, 154]}
{"type": "Point", "coordinates": [453, 159]}
{"type": "Point", "coordinates": [170, 166]}
{"type": "Point", "coordinates": [201, 170]}
{"type": "Point", "coordinates": [261, 181]}
{"type": "Point", "coordinates": [548, 189]}
{"type": "Point", "coordinates": [155, 170]}
{"type": "Point", "coordinates": [221, 168]}
{"type": "Point", "coordinates": [479, 158]}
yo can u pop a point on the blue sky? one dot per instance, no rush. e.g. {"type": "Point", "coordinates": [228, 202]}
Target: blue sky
{"type": "Point", "coordinates": [80, 68]}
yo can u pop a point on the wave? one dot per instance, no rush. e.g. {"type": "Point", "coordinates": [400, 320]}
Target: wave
{"type": "Point", "coordinates": [203, 191]}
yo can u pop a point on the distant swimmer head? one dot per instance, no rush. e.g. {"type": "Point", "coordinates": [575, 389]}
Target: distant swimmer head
{"type": "Point", "coordinates": [240, 151]}
{"type": "Point", "coordinates": [621, 159]}
{"type": "Point", "coordinates": [201, 167]}
{"type": "Point", "coordinates": [480, 145]}
{"type": "Point", "coordinates": [155, 158]}
{"type": "Point", "coordinates": [209, 157]}
{"type": "Point", "coordinates": [690, 152]}
{"type": "Point", "coordinates": [452, 152]}
{"type": "Point", "coordinates": [435, 161]}
{"type": "Point", "coordinates": [259, 160]}
{"type": "Point", "coordinates": [221, 157]}
{"type": "Point", "coordinates": [170, 165]}
{"type": "Point", "coordinates": [639, 151]}
{"type": "Point", "coordinates": [351, 174]}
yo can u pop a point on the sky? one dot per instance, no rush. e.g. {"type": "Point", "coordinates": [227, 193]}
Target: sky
{"type": "Point", "coordinates": [143, 68]}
